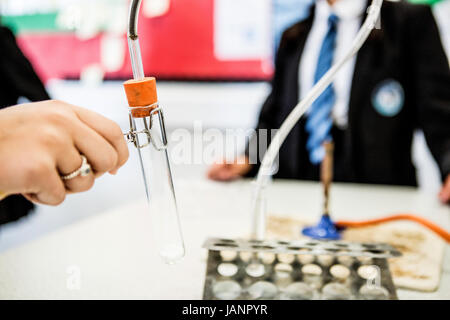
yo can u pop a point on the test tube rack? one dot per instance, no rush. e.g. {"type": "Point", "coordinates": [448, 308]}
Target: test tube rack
{"type": "Point", "coordinates": [298, 270]}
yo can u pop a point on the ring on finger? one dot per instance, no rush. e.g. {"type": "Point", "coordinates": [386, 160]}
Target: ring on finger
{"type": "Point", "coordinates": [82, 171]}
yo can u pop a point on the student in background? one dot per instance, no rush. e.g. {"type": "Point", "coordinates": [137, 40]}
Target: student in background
{"type": "Point", "coordinates": [398, 82]}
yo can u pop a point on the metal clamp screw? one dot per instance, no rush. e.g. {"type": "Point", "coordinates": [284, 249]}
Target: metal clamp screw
{"type": "Point", "coordinates": [132, 136]}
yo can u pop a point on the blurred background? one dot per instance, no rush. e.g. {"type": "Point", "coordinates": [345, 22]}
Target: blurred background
{"type": "Point", "coordinates": [213, 60]}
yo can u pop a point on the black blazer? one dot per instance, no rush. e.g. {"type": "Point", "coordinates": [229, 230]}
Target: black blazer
{"type": "Point", "coordinates": [373, 148]}
{"type": "Point", "coordinates": [17, 79]}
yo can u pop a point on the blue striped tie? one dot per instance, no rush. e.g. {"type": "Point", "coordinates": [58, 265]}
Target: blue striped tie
{"type": "Point", "coordinates": [319, 121]}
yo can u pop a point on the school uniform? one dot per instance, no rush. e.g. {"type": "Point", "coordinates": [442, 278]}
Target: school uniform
{"type": "Point", "coordinates": [397, 83]}
{"type": "Point", "coordinates": [17, 79]}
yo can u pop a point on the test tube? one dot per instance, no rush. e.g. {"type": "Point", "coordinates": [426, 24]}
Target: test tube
{"type": "Point", "coordinates": [148, 134]}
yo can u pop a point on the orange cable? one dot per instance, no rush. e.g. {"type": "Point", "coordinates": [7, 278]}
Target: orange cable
{"type": "Point", "coordinates": [433, 227]}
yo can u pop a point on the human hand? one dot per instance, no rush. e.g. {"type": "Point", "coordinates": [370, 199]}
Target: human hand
{"type": "Point", "coordinates": [444, 195]}
{"type": "Point", "coordinates": [41, 141]}
{"type": "Point", "coordinates": [229, 171]}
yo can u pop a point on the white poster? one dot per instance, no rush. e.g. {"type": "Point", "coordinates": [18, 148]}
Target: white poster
{"type": "Point", "coordinates": [242, 29]}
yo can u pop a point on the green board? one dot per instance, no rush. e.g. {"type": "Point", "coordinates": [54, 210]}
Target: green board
{"type": "Point", "coordinates": [430, 2]}
{"type": "Point", "coordinates": [31, 23]}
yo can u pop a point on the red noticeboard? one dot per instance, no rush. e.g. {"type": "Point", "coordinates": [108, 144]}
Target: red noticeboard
{"type": "Point", "coordinates": [179, 44]}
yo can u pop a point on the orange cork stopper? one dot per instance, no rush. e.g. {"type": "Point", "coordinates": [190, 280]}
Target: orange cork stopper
{"type": "Point", "coordinates": [140, 95]}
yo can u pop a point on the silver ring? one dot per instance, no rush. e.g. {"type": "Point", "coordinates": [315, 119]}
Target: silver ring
{"type": "Point", "coordinates": [82, 171]}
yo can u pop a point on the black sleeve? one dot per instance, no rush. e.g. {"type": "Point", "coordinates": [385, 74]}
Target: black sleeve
{"type": "Point", "coordinates": [268, 117]}
{"type": "Point", "coordinates": [17, 73]}
{"type": "Point", "coordinates": [431, 74]}
{"type": "Point", "coordinates": [13, 208]}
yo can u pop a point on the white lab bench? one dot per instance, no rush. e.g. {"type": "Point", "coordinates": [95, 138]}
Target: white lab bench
{"type": "Point", "coordinates": [113, 254]}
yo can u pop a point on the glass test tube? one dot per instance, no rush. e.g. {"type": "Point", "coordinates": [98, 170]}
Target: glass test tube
{"type": "Point", "coordinates": [147, 124]}
{"type": "Point", "coordinates": [159, 187]}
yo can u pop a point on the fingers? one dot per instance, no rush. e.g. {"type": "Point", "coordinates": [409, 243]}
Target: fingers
{"type": "Point", "coordinates": [227, 172]}
{"type": "Point", "coordinates": [69, 162]}
{"type": "Point", "coordinates": [109, 130]}
{"type": "Point", "coordinates": [53, 191]}
{"type": "Point", "coordinates": [444, 195]}
{"type": "Point", "coordinates": [214, 171]}
{"type": "Point", "coordinates": [100, 154]}
{"type": "Point", "coordinates": [223, 172]}
{"type": "Point", "coordinates": [100, 140]}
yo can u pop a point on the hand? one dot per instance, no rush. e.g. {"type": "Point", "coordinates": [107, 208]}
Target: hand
{"type": "Point", "coordinates": [41, 141]}
{"type": "Point", "coordinates": [444, 195]}
{"type": "Point", "coordinates": [229, 171]}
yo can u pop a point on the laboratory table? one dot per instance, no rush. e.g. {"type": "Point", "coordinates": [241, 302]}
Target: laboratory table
{"type": "Point", "coordinates": [113, 255]}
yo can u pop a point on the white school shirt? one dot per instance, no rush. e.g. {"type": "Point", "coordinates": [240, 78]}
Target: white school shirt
{"type": "Point", "coordinates": [350, 13]}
